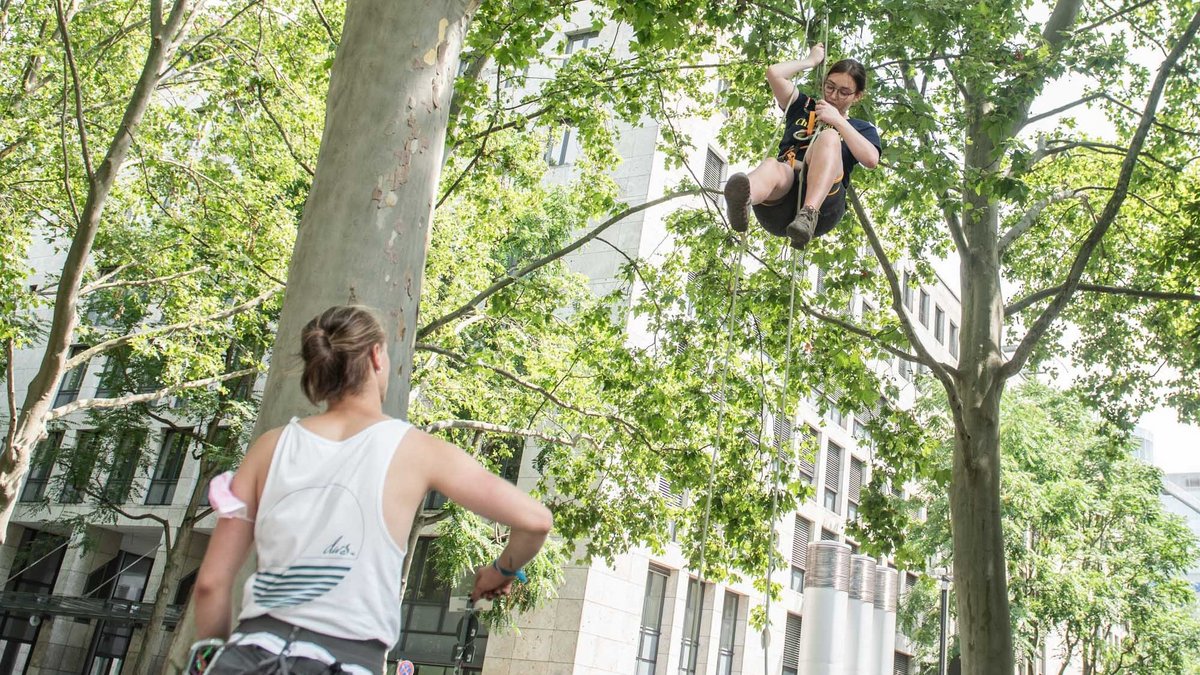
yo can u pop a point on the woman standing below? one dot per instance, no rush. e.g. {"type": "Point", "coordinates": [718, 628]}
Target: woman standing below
{"type": "Point", "coordinates": [830, 154]}
{"type": "Point", "coordinates": [327, 502]}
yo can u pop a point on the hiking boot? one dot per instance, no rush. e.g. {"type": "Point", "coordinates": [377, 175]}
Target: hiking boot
{"type": "Point", "coordinates": [737, 201]}
{"type": "Point", "coordinates": [802, 227]}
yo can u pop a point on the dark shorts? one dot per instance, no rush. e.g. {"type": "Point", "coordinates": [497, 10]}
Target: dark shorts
{"type": "Point", "coordinates": [775, 216]}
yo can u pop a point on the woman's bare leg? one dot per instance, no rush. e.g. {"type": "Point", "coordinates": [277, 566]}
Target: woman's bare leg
{"type": "Point", "coordinates": [769, 181]}
{"type": "Point", "coordinates": [824, 168]}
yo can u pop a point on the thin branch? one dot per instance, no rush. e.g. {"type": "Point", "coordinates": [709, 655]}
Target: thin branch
{"type": "Point", "coordinates": [542, 391]}
{"type": "Point", "coordinates": [96, 286]}
{"type": "Point", "coordinates": [83, 142]}
{"type": "Point", "coordinates": [324, 22]}
{"type": "Point", "coordinates": [282, 133]}
{"type": "Point", "coordinates": [12, 394]}
{"type": "Point", "coordinates": [1033, 298]}
{"type": "Point", "coordinates": [497, 429]}
{"type": "Point", "coordinates": [1129, 108]}
{"type": "Point", "coordinates": [1026, 222]}
{"type": "Point", "coordinates": [1062, 108]}
{"type": "Point", "coordinates": [1038, 329]}
{"type": "Point", "coordinates": [162, 330]}
{"type": "Point", "coordinates": [1103, 148]}
{"type": "Point", "coordinates": [1114, 15]}
{"type": "Point", "coordinates": [106, 503]}
{"type": "Point", "coordinates": [123, 401]}
{"type": "Point", "coordinates": [512, 277]}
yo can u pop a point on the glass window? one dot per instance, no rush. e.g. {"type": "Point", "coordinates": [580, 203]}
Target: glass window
{"type": "Point", "coordinates": [124, 465]}
{"type": "Point", "coordinates": [690, 644]}
{"type": "Point", "coordinates": [908, 292]}
{"type": "Point", "coordinates": [728, 643]}
{"type": "Point", "coordinates": [40, 467]}
{"type": "Point", "coordinates": [924, 313]}
{"type": "Point", "coordinates": [170, 465]}
{"type": "Point", "coordinates": [953, 339]}
{"type": "Point", "coordinates": [72, 380]}
{"type": "Point", "coordinates": [79, 473]}
{"type": "Point", "coordinates": [583, 40]}
{"type": "Point", "coordinates": [939, 324]}
{"type": "Point", "coordinates": [833, 476]}
{"type": "Point", "coordinates": [651, 630]}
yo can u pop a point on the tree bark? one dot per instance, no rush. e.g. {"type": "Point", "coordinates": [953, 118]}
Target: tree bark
{"type": "Point", "coordinates": [31, 420]}
{"type": "Point", "coordinates": [980, 572]}
{"type": "Point", "coordinates": [365, 229]}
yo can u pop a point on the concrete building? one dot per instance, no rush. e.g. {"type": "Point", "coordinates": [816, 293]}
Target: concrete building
{"type": "Point", "coordinates": [76, 609]}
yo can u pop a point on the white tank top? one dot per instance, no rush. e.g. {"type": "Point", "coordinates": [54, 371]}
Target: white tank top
{"type": "Point", "coordinates": [326, 561]}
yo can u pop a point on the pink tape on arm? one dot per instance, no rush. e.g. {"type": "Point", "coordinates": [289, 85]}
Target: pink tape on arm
{"type": "Point", "coordinates": [222, 499]}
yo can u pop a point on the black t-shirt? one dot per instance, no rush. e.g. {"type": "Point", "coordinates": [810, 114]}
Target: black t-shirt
{"type": "Point", "coordinates": [796, 119]}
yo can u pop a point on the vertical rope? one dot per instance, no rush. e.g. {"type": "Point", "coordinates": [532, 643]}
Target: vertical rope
{"type": "Point", "coordinates": [731, 320]}
{"type": "Point", "coordinates": [782, 411]}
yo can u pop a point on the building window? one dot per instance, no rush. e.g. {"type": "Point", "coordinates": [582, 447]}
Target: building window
{"type": "Point", "coordinates": [836, 416]}
{"type": "Point", "coordinates": [37, 561]}
{"type": "Point", "coordinates": [124, 465]}
{"type": "Point", "coordinates": [79, 473]}
{"type": "Point", "coordinates": [728, 643]}
{"type": "Point", "coordinates": [68, 389]}
{"type": "Point", "coordinates": [715, 169]}
{"type": "Point", "coordinates": [808, 452]}
{"type": "Point", "coordinates": [906, 370]}
{"type": "Point", "coordinates": [40, 467]}
{"type": "Point", "coordinates": [690, 645]}
{"type": "Point", "coordinates": [170, 465]}
{"type": "Point", "coordinates": [801, 533]}
{"type": "Point", "coordinates": [953, 339]}
{"type": "Point", "coordinates": [833, 476]}
{"type": "Point", "coordinates": [429, 631]}
{"type": "Point", "coordinates": [563, 147]}
{"type": "Point", "coordinates": [900, 665]}
{"type": "Point", "coordinates": [791, 645]}
{"type": "Point", "coordinates": [828, 535]}
{"type": "Point", "coordinates": [908, 292]}
{"type": "Point", "coordinates": [857, 469]}
{"type": "Point", "coordinates": [939, 324]}
{"type": "Point", "coordinates": [924, 313]}
{"type": "Point", "coordinates": [651, 630]}
{"type": "Point", "coordinates": [860, 432]}
{"type": "Point", "coordinates": [581, 40]}
{"type": "Point", "coordinates": [123, 578]}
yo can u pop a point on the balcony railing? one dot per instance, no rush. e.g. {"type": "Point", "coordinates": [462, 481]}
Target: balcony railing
{"type": "Point", "coordinates": [120, 612]}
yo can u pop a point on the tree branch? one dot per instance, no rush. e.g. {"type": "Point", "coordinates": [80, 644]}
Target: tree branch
{"type": "Point", "coordinates": [106, 503]}
{"type": "Point", "coordinates": [324, 22]}
{"type": "Point", "coordinates": [1062, 108]}
{"type": "Point", "coordinates": [282, 134]}
{"type": "Point", "coordinates": [97, 286]}
{"type": "Point", "coordinates": [66, 39]}
{"type": "Point", "coordinates": [1114, 15]}
{"type": "Point", "coordinates": [1109, 215]}
{"type": "Point", "coordinates": [542, 391]}
{"type": "Point", "coordinates": [123, 401]}
{"type": "Point", "coordinates": [511, 277]}
{"type": "Point", "coordinates": [12, 394]}
{"type": "Point", "coordinates": [162, 330]}
{"type": "Point", "coordinates": [1026, 222]}
{"type": "Point", "coordinates": [1033, 298]}
{"type": "Point", "coordinates": [944, 372]}
{"type": "Point", "coordinates": [497, 429]}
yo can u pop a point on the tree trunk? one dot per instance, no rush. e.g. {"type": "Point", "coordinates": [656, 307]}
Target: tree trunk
{"type": "Point", "coordinates": [365, 229]}
{"type": "Point", "coordinates": [31, 420]}
{"type": "Point", "coordinates": [980, 572]}
{"type": "Point", "coordinates": [173, 572]}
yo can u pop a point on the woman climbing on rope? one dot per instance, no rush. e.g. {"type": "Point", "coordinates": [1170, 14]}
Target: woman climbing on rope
{"type": "Point", "coordinates": [829, 154]}
{"type": "Point", "coordinates": [327, 502]}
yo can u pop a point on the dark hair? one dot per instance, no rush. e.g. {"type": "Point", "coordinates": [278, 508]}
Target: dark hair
{"type": "Point", "coordinates": [336, 348]}
{"type": "Point", "coordinates": [854, 69]}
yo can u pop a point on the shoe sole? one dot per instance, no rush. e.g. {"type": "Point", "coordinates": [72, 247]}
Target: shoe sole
{"type": "Point", "coordinates": [737, 201]}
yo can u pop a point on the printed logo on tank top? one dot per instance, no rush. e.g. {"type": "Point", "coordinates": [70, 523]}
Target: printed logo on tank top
{"type": "Point", "coordinates": [326, 525]}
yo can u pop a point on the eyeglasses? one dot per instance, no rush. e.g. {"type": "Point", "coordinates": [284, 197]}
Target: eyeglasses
{"type": "Point", "coordinates": [842, 92]}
